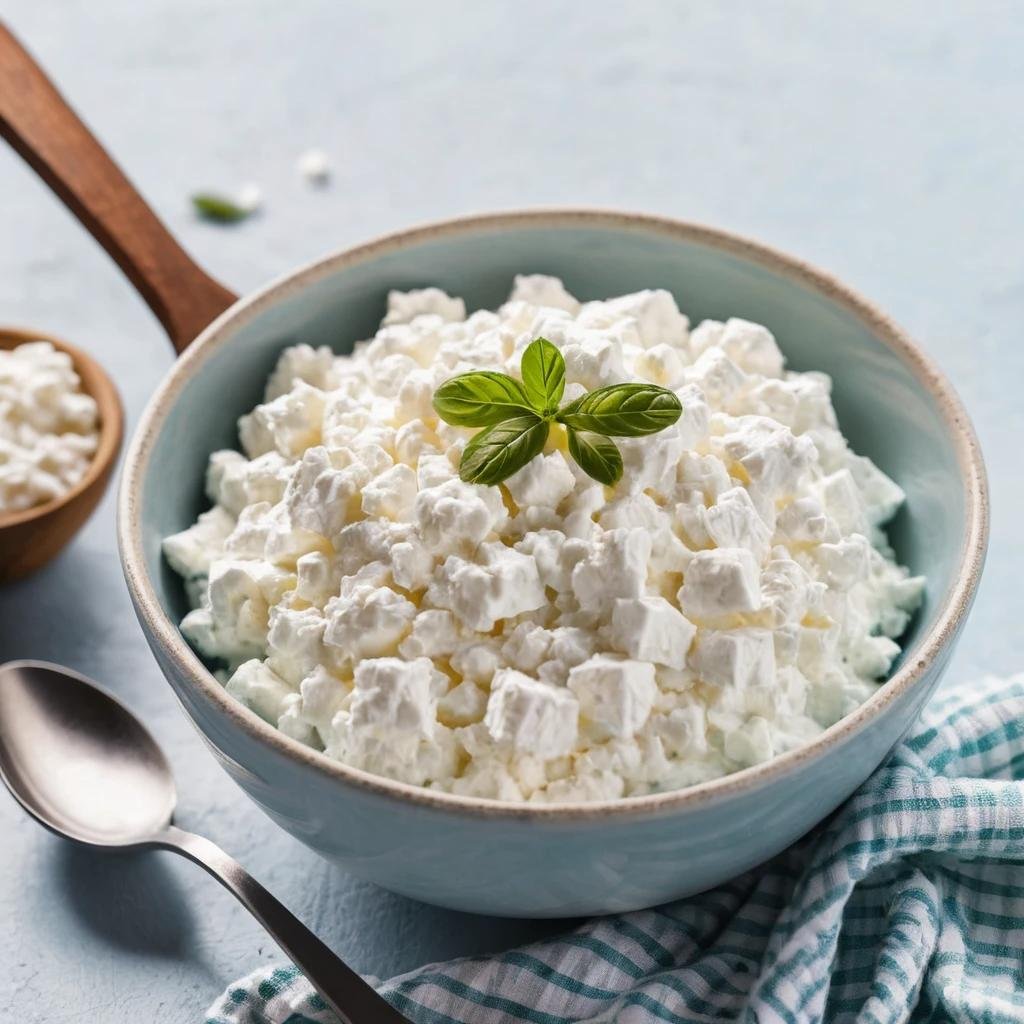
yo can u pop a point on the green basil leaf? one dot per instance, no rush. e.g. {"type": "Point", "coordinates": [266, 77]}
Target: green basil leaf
{"type": "Point", "coordinates": [218, 208]}
{"type": "Point", "coordinates": [480, 399]}
{"type": "Point", "coordinates": [496, 453]}
{"type": "Point", "coordinates": [623, 410]}
{"type": "Point", "coordinates": [597, 456]}
{"type": "Point", "coordinates": [543, 370]}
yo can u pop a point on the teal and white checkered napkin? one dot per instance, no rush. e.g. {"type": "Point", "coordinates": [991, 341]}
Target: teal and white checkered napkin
{"type": "Point", "coordinates": [907, 904]}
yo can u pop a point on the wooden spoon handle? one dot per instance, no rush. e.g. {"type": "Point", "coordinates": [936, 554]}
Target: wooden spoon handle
{"type": "Point", "coordinates": [38, 123]}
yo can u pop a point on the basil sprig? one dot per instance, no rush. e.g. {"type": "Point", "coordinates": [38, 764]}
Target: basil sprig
{"type": "Point", "coordinates": [518, 416]}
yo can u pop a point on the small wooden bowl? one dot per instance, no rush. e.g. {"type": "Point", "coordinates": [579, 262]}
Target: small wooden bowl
{"type": "Point", "coordinates": [29, 539]}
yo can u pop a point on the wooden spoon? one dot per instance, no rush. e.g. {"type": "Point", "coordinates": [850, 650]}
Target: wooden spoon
{"type": "Point", "coordinates": [30, 538]}
{"type": "Point", "coordinates": [39, 124]}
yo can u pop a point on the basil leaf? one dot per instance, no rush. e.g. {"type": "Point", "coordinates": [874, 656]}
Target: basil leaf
{"type": "Point", "coordinates": [597, 456]}
{"type": "Point", "coordinates": [218, 208]}
{"type": "Point", "coordinates": [623, 410]}
{"type": "Point", "coordinates": [543, 370]}
{"type": "Point", "coordinates": [496, 453]}
{"type": "Point", "coordinates": [480, 399]}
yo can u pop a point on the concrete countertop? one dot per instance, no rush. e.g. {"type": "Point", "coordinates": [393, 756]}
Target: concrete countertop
{"type": "Point", "coordinates": [882, 143]}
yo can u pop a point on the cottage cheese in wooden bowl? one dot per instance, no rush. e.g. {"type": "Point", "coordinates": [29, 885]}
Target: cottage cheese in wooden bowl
{"type": "Point", "coordinates": [49, 427]}
{"type": "Point", "coordinates": [549, 638]}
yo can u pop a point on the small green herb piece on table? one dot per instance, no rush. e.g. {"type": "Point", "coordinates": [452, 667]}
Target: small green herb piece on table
{"type": "Point", "coordinates": [219, 208]}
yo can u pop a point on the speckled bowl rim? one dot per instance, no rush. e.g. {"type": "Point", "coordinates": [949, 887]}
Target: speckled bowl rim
{"type": "Point", "coordinates": [111, 421]}
{"type": "Point", "coordinates": [953, 606]}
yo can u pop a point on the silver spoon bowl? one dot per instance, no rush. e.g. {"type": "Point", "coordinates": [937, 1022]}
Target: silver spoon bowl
{"type": "Point", "coordinates": [84, 767]}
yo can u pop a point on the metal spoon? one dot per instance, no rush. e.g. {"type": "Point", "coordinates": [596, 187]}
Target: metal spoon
{"type": "Point", "coordinates": [82, 765]}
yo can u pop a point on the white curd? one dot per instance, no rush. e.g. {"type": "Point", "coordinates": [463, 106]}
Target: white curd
{"type": "Point", "coordinates": [49, 429]}
{"type": "Point", "coordinates": [550, 639]}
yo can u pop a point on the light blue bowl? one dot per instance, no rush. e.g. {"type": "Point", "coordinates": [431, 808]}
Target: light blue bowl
{"type": "Point", "coordinates": [495, 858]}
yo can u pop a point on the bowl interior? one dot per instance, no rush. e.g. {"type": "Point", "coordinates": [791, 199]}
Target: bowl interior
{"type": "Point", "coordinates": [884, 409]}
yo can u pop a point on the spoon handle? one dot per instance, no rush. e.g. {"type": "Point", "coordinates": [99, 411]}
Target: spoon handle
{"type": "Point", "coordinates": [39, 124]}
{"type": "Point", "coordinates": [351, 998]}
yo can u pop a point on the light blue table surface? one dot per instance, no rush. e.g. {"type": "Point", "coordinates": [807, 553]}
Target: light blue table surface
{"type": "Point", "coordinates": [884, 143]}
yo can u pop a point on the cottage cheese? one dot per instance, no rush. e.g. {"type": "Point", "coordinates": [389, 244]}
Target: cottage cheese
{"type": "Point", "coordinates": [49, 429]}
{"type": "Point", "coordinates": [551, 639]}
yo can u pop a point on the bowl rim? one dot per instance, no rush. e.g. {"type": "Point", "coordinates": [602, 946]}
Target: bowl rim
{"type": "Point", "coordinates": [111, 419]}
{"type": "Point", "coordinates": [952, 608]}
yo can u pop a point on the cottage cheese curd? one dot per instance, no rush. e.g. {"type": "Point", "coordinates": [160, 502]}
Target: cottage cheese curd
{"type": "Point", "coordinates": [49, 429]}
{"type": "Point", "coordinates": [551, 639]}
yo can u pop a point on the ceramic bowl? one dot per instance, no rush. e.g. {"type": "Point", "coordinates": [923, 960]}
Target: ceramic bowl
{"type": "Point", "coordinates": [495, 858]}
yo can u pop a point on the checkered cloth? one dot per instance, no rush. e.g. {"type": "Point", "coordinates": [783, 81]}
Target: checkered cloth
{"type": "Point", "coordinates": [908, 904]}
